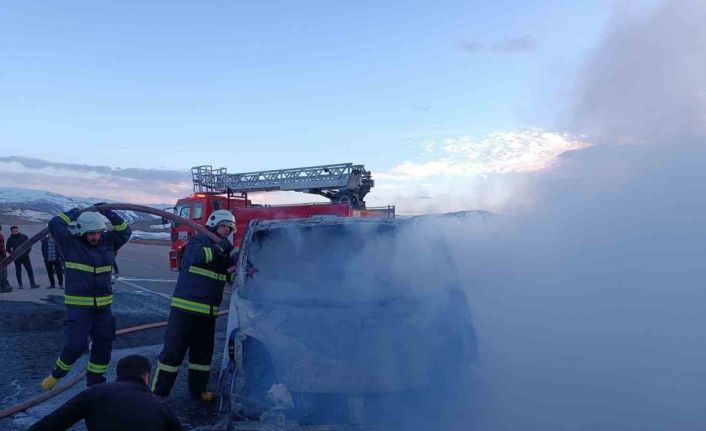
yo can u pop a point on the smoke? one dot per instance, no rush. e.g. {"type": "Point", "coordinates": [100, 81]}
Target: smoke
{"type": "Point", "coordinates": [589, 297]}
{"type": "Point", "coordinates": [645, 83]}
{"type": "Point", "coordinates": [355, 312]}
{"type": "Point", "coordinates": [590, 307]}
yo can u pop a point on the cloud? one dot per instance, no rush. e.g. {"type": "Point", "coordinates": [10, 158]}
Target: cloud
{"type": "Point", "coordinates": [465, 173]}
{"type": "Point", "coordinates": [511, 45]}
{"type": "Point", "coordinates": [501, 152]}
{"type": "Point", "coordinates": [458, 173]}
{"type": "Point", "coordinates": [470, 46]}
{"type": "Point", "coordinates": [517, 44]}
{"type": "Point", "coordinates": [79, 180]}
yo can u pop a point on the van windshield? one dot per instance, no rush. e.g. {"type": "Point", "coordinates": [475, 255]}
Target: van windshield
{"type": "Point", "coordinates": [344, 263]}
{"type": "Point", "coordinates": [182, 210]}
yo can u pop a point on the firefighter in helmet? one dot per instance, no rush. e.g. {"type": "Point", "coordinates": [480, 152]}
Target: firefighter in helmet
{"type": "Point", "coordinates": [88, 253]}
{"type": "Point", "coordinates": [192, 319]}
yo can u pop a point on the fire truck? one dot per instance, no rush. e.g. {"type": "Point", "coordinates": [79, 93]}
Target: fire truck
{"type": "Point", "coordinates": [344, 184]}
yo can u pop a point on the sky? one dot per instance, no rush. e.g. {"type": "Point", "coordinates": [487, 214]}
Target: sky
{"type": "Point", "coordinates": [448, 103]}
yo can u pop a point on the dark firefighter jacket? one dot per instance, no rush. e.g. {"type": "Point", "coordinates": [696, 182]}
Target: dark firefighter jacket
{"type": "Point", "coordinates": [119, 406]}
{"type": "Point", "coordinates": [88, 268]}
{"type": "Point", "coordinates": [202, 275]}
{"type": "Point", "coordinates": [16, 240]}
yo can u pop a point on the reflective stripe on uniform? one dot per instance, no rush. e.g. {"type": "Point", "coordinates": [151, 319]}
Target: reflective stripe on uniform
{"type": "Point", "coordinates": [88, 301]}
{"type": "Point", "coordinates": [102, 301]}
{"type": "Point", "coordinates": [196, 307]}
{"type": "Point", "coordinates": [87, 268]}
{"type": "Point", "coordinates": [97, 368]}
{"type": "Point", "coordinates": [102, 269]}
{"type": "Point", "coordinates": [208, 253]}
{"type": "Point", "coordinates": [165, 367]}
{"type": "Point", "coordinates": [162, 367]}
{"type": "Point", "coordinates": [78, 300]}
{"type": "Point", "coordinates": [64, 217]}
{"type": "Point", "coordinates": [61, 364]}
{"type": "Point", "coordinates": [122, 226]}
{"type": "Point", "coordinates": [199, 367]}
{"type": "Point", "coordinates": [78, 266]}
{"type": "Point", "coordinates": [207, 273]}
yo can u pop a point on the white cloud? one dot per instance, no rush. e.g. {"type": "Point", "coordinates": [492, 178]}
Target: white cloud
{"type": "Point", "coordinates": [466, 173]}
{"type": "Point", "coordinates": [453, 174]}
{"type": "Point", "coordinates": [501, 152]}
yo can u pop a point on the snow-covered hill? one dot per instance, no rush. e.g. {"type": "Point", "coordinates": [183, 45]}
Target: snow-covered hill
{"type": "Point", "coordinates": [40, 205]}
{"type": "Point", "coordinates": [461, 215]}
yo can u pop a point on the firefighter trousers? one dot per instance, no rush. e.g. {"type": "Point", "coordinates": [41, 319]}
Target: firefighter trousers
{"type": "Point", "coordinates": [80, 324]}
{"type": "Point", "coordinates": [185, 331]}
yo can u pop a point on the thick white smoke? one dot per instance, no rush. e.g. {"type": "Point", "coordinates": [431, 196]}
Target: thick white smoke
{"type": "Point", "coordinates": [590, 298]}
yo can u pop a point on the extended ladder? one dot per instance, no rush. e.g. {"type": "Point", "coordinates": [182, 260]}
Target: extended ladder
{"type": "Point", "coordinates": [343, 182]}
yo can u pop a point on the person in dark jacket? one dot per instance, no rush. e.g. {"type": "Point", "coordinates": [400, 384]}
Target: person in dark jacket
{"type": "Point", "coordinates": [15, 240]}
{"type": "Point", "coordinates": [126, 404]}
{"type": "Point", "coordinates": [52, 261]}
{"type": "Point", "coordinates": [192, 319]}
{"type": "Point", "coordinates": [4, 285]}
{"type": "Point", "coordinates": [89, 255]}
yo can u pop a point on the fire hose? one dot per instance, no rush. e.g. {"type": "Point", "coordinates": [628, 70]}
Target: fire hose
{"type": "Point", "coordinates": [124, 207]}
{"type": "Point", "coordinates": [77, 378]}
{"type": "Point", "coordinates": [28, 244]}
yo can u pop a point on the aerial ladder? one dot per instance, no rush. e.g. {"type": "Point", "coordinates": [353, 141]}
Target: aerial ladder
{"type": "Point", "coordinates": [340, 183]}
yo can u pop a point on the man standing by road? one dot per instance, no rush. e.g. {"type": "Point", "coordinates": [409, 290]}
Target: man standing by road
{"type": "Point", "coordinates": [15, 240]}
{"type": "Point", "coordinates": [52, 261]}
{"type": "Point", "coordinates": [126, 404]}
{"type": "Point", "coordinates": [89, 255]}
{"type": "Point", "coordinates": [192, 319]}
{"type": "Point", "coordinates": [4, 285]}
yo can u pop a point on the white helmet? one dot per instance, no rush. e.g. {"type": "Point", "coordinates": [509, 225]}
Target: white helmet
{"type": "Point", "coordinates": [88, 221]}
{"type": "Point", "coordinates": [219, 217]}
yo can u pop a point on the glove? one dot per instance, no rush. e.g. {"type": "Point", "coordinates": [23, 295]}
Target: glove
{"type": "Point", "coordinates": [109, 214]}
{"type": "Point", "coordinates": [250, 270]}
{"type": "Point", "coordinates": [72, 213]}
{"type": "Point", "coordinates": [112, 216]}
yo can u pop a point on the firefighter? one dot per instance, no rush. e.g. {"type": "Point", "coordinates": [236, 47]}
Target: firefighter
{"type": "Point", "coordinates": [192, 319]}
{"type": "Point", "coordinates": [88, 253]}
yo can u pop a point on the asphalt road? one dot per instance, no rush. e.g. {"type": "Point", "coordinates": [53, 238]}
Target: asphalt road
{"type": "Point", "coordinates": [31, 333]}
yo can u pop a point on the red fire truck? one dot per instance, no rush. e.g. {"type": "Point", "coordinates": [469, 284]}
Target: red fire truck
{"type": "Point", "coordinates": [344, 184]}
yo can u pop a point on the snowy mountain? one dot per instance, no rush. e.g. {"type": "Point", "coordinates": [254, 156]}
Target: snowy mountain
{"type": "Point", "coordinates": [41, 205]}
{"type": "Point", "coordinates": [461, 215]}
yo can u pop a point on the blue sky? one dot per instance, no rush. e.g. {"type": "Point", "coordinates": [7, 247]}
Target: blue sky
{"type": "Point", "coordinates": [275, 84]}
